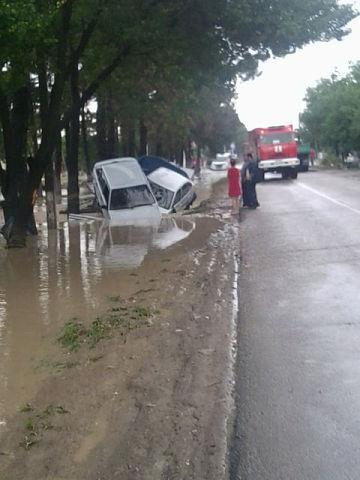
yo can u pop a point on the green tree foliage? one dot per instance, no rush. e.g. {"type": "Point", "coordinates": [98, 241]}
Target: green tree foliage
{"type": "Point", "coordinates": [176, 63]}
{"type": "Point", "coordinates": [331, 118]}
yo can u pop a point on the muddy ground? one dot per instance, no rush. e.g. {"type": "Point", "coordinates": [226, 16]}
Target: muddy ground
{"type": "Point", "coordinates": [151, 399]}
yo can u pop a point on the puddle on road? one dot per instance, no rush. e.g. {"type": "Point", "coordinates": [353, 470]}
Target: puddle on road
{"type": "Point", "coordinates": [61, 275]}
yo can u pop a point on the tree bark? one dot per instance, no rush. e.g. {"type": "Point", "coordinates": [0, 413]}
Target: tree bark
{"type": "Point", "coordinates": [128, 138]}
{"type": "Point", "coordinates": [143, 134]}
{"type": "Point", "coordinates": [58, 169]}
{"type": "Point", "coordinates": [159, 148]}
{"type": "Point", "coordinates": [72, 159]}
{"type": "Point", "coordinates": [131, 141]}
{"type": "Point", "coordinates": [101, 141]}
{"type": "Point", "coordinates": [85, 144]}
{"type": "Point", "coordinates": [15, 124]}
{"type": "Point", "coordinates": [50, 107]}
{"type": "Point", "coordinates": [51, 214]}
{"type": "Point", "coordinates": [111, 128]}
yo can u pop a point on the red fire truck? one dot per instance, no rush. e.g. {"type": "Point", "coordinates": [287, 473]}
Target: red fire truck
{"type": "Point", "coordinates": [275, 149]}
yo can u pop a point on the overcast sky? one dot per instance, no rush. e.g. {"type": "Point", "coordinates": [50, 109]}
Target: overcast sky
{"type": "Point", "coordinates": [276, 97]}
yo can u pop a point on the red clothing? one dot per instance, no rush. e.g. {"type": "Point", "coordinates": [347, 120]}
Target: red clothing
{"type": "Point", "coordinates": [233, 176]}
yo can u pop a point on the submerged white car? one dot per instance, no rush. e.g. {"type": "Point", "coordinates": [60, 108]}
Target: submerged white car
{"type": "Point", "coordinates": [123, 192]}
{"type": "Point", "coordinates": [173, 192]}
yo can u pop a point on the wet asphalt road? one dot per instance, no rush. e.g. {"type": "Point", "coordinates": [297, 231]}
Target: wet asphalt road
{"type": "Point", "coordinates": [298, 366]}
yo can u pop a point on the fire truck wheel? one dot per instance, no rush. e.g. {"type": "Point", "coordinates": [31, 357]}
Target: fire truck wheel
{"type": "Point", "coordinates": [294, 174]}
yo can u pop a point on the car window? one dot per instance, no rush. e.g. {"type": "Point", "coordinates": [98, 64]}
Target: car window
{"type": "Point", "coordinates": [182, 192]}
{"type": "Point", "coordinates": [131, 197]}
{"type": "Point", "coordinates": [103, 184]}
{"type": "Point", "coordinates": [163, 195]}
{"type": "Point", "coordinates": [178, 197]}
{"type": "Point", "coordinates": [186, 189]}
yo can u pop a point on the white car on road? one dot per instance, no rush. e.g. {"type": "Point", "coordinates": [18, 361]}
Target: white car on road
{"type": "Point", "coordinates": [222, 162]}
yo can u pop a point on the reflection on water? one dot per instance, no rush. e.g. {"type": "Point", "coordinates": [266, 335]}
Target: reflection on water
{"type": "Point", "coordinates": [128, 246]}
{"type": "Point", "coordinates": [64, 274]}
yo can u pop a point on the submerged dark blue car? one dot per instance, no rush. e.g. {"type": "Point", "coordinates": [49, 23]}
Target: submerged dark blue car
{"type": "Point", "coordinates": [149, 163]}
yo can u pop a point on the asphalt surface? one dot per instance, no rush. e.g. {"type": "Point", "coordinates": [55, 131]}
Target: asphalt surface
{"type": "Point", "coordinates": [298, 364]}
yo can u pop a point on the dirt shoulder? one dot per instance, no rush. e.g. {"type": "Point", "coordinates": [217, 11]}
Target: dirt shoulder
{"type": "Point", "coordinates": [152, 398]}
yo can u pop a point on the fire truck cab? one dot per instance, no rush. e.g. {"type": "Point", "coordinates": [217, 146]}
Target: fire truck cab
{"type": "Point", "coordinates": [275, 149]}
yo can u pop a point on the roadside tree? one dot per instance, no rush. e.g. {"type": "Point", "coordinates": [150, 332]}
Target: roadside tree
{"type": "Point", "coordinates": [55, 56]}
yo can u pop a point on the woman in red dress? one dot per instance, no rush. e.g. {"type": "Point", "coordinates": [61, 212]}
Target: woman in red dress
{"type": "Point", "coordinates": [234, 182]}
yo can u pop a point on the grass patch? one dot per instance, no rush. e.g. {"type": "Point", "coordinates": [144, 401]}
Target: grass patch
{"type": "Point", "coordinates": [26, 408]}
{"type": "Point", "coordinates": [52, 410]}
{"type": "Point", "coordinates": [98, 330]}
{"type": "Point", "coordinates": [124, 318]}
{"type": "Point", "coordinates": [29, 425]}
{"type": "Point", "coordinates": [66, 365]}
{"type": "Point", "coordinates": [114, 298]}
{"type": "Point", "coordinates": [72, 335]}
{"type": "Point", "coordinates": [140, 312]}
{"type": "Point", "coordinates": [331, 160]}
{"type": "Point", "coordinates": [38, 423]}
{"type": "Point", "coordinates": [95, 358]}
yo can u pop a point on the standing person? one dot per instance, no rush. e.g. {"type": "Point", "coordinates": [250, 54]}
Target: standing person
{"type": "Point", "coordinates": [234, 182]}
{"type": "Point", "coordinates": [249, 174]}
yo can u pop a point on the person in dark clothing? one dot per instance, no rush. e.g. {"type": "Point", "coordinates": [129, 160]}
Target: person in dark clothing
{"type": "Point", "coordinates": [249, 173]}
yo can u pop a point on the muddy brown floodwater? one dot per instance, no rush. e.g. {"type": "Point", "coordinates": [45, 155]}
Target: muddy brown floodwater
{"type": "Point", "coordinates": [64, 274]}
{"type": "Point", "coordinates": [144, 401]}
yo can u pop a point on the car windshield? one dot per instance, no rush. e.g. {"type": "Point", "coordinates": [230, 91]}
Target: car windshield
{"type": "Point", "coordinates": [131, 197]}
{"type": "Point", "coordinates": [275, 138]}
{"type": "Point", "coordinates": [163, 195]}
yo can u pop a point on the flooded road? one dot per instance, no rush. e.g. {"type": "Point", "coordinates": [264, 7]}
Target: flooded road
{"type": "Point", "coordinates": [65, 274]}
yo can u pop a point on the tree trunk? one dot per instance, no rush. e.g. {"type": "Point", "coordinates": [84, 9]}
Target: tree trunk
{"type": "Point", "coordinates": [85, 144]}
{"type": "Point", "coordinates": [159, 143]}
{"type": "Point", "coordinates": [128, 138]}
{"type": "Point", "coordinates": [24, 221]}
{"type": "Point", "coordinates": [101, 141]}
{"type": "Point", "coordinates": [15, 125]}
{"type": "Point", "coordinates": [58, 168]}
{"type": "Point", "coordinates": [131, 141]}
{"type": "Point", "coordinates": [143, 138]}
{"type": "Point", "coordinates": [72, 160]}
{"type": "Point", "coordinates": [51, 214]}
{"type": "Point", "coordinates": [111, 128]}
{"type": "Point", "coordinates": [123, 138]}
{"type": "Point", "coordinates": [159, 148]}
{"type": "Point", "coordinates": [50, 125]}
{"type": "Point", "coordinates": [180, 155]}
{"type": "Point", "coordinates": [73, 171]}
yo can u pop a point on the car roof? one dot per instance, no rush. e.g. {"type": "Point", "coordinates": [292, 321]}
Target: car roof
{"type": "Point", "coordinates": [168, 179]}
{"type": "Point", "coordinates": [122, 172]}
{"type": "Point", "coordinates": [149, 163]}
